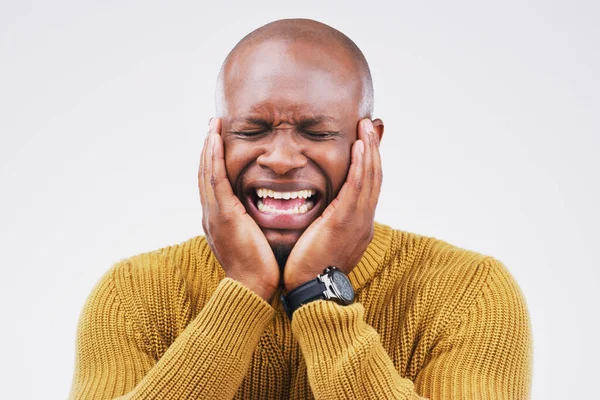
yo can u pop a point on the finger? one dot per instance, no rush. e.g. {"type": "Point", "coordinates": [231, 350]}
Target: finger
{"type": "Point", "coordinates": [346, 201]}
{"type": "Point", "coordinates": [219, 181]}
{"type": "Point", "coordinates": [211, 200]}
{"type": "Point", "coordinates": [365, 133]}
{"type": "Point", "coordinates": [201, 179]}
{"type": "Point", "coordinates": [202, 188]}
{"type": "Point", "coordinates": [205, 162]}
{"type": "Point", "coordinates": [378, 173]}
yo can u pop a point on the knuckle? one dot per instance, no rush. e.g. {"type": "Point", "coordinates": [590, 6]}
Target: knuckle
{"type": "Point", "coordinates": [358, 184]}
{"type": "Point", "coordinates": [222, 218]}
{"type": "Point", "coordinates": [345, 221]}
{"type": "Point", "coordinates": [215, 222]}
{"type": "Point", "coordinates": [367, 235]}
{"type": "Point", "coordinates": [210, 225]}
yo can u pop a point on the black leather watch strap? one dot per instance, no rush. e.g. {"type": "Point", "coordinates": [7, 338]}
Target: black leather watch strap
{"type": "Point", "coordinates": [305, 293]}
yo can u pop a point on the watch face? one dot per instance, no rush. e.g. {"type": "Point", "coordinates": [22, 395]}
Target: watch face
{"type": "Point", "coordinates": [343, 286]}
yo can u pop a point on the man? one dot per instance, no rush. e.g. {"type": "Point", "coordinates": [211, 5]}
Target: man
{"type": "Point", "coordinates": [289, 179]}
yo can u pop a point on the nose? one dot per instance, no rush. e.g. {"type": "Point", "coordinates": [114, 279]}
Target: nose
{"type": "Point", "coordinates": [282, 155]}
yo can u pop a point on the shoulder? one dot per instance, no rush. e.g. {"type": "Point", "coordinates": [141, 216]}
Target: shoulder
{"type": "Point", "coordinates": [154, 273]}
{"type": "Point", "coordinates": [155, 289]}
{"type": "Point", "coordinates": [428, 260]}
{"type": "Point", "coordinates": [182, 255]}
{"type": "Point", "coordinates": [444, 280]}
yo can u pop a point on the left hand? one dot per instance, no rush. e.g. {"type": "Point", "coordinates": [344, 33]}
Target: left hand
{"type": "Point", "coordinates": [340, 236]}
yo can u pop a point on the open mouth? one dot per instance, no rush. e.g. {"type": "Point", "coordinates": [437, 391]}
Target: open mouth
{"type": "Point", "coordinates": [283, 209]}
{"type": "Point", "coordinates": [297, 202]}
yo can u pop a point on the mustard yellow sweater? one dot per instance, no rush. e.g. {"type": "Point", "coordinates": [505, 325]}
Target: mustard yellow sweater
{"type": "Point", "coordinates": [431, 320]}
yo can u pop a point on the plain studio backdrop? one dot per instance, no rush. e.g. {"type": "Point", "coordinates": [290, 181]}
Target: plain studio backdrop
{"type": "Point", "coordinates": [491, 142]}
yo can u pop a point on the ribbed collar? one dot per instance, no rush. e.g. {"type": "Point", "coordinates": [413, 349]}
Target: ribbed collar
{"type": "Point", "coordinates": [369, 264]}
{"type": "Point", "coordinates": [373, 257]}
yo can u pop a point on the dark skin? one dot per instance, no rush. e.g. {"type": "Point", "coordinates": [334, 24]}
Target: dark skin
{"type": "Point", "coordinates": [290, 121]}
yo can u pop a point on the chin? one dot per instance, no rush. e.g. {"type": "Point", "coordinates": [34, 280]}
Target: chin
{"type": "Point", "coordinates": [279, 238]}
{"type": "Point", "coordinates": [282, 242]}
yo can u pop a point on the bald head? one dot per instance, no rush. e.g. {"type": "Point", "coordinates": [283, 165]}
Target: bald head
{"type": "Point", "coordinates": [301, 41]}
{"type": "Point", "coordinates": [290, 98]}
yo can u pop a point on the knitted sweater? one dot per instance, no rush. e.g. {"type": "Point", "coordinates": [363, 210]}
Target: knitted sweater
{"type": "Point", "coordinates": [430, 320]}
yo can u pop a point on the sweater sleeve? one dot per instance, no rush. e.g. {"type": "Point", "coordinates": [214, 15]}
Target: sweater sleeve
{"type": "Point", "coordinates": [486, 355]}
{"type": "Point", "coordinates": [344, 357]}
{"type": "Point", "coordinates": [208, 360]}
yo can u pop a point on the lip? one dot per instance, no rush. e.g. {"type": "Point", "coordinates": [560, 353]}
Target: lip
{"type": "Point", "coordinates": [282, 221]}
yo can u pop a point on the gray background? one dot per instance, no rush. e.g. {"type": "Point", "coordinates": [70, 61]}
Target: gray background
{"type": "Point", "coordinates": [491, 112]}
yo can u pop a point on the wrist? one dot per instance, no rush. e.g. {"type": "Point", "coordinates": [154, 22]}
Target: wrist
{"type": "Point", "coordinates": [332, 284]}
{"type": "Point", "coordinates": [262, 290]}
{"type": "Point", "coordinates": [264, 293]}
{"type": "Point", "coordinates": [297, 281]}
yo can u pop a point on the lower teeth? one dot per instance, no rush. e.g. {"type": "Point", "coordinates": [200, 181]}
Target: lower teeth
{"type": "Point", "coordinates": [303, 209]}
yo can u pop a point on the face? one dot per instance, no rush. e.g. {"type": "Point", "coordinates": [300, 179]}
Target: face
{"type": "Point", "coordinates": [290, 115]}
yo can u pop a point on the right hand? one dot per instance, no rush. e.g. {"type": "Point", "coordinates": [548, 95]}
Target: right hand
{"type": "Point", "coordinates": [233, 236]}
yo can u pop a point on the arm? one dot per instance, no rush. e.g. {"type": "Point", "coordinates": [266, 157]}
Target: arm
{"type": "Point", "coordinates": [210, 357]}
{"type": "Point", "coordinates": [208, 360]}
{"type": "Point", "coordinates": [485, 355]}
{"type": "Point", "coordinates": [344, 357]}
{"type": "Point", "coordinates": [488, 354]}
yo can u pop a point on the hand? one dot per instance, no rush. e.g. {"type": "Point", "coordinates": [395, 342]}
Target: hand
{"type": "Point", "coordinates": [340, 236]}
{"type": "Point", "coordinates": [233, 236]}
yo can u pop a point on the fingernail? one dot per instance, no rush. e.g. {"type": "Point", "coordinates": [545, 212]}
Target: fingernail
{"type": "Point", "coordinates": [209, 122]}
{"type": "Point", "coordinates": [361, 146]}
{"type": "Point", "coordinates": [368, 126]}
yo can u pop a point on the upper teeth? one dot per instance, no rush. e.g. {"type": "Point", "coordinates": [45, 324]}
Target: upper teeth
{"type": "Point", "coordinates": [303, 194]}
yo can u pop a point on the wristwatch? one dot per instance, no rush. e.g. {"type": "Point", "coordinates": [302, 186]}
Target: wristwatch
{"type": "Point", "coordinates": [332, 284]}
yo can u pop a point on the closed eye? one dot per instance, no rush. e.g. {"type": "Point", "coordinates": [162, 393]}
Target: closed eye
{"type": "Point", "coordinates": [320, 134]}
{"type": "Point", "coordinates": [317, 135]}
{"type": "Point", "coordinates": [248, 133]}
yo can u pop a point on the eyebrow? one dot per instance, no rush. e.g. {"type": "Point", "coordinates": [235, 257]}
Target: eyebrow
{"type": "Point", "coordinates": [303, 121]}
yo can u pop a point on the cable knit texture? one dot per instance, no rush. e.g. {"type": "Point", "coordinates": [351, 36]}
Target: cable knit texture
{"type": "Point", "coordinates": [430, 320]}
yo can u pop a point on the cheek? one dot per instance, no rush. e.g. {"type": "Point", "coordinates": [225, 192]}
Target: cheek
{"type": "Point", "coordinates": [237, 157]}
{"type": "Point", "coordinates": [335, 163]}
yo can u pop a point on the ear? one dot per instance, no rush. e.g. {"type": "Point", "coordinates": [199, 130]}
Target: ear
{"type": "Point", "coordinates": [378, 125]}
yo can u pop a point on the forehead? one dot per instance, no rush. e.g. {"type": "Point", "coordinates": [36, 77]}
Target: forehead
{"type": "Point", "coordinates": [291, 80]}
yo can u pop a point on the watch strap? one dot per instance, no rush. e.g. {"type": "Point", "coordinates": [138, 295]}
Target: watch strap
{"type": "Point", "coordinates": [305, 293]}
